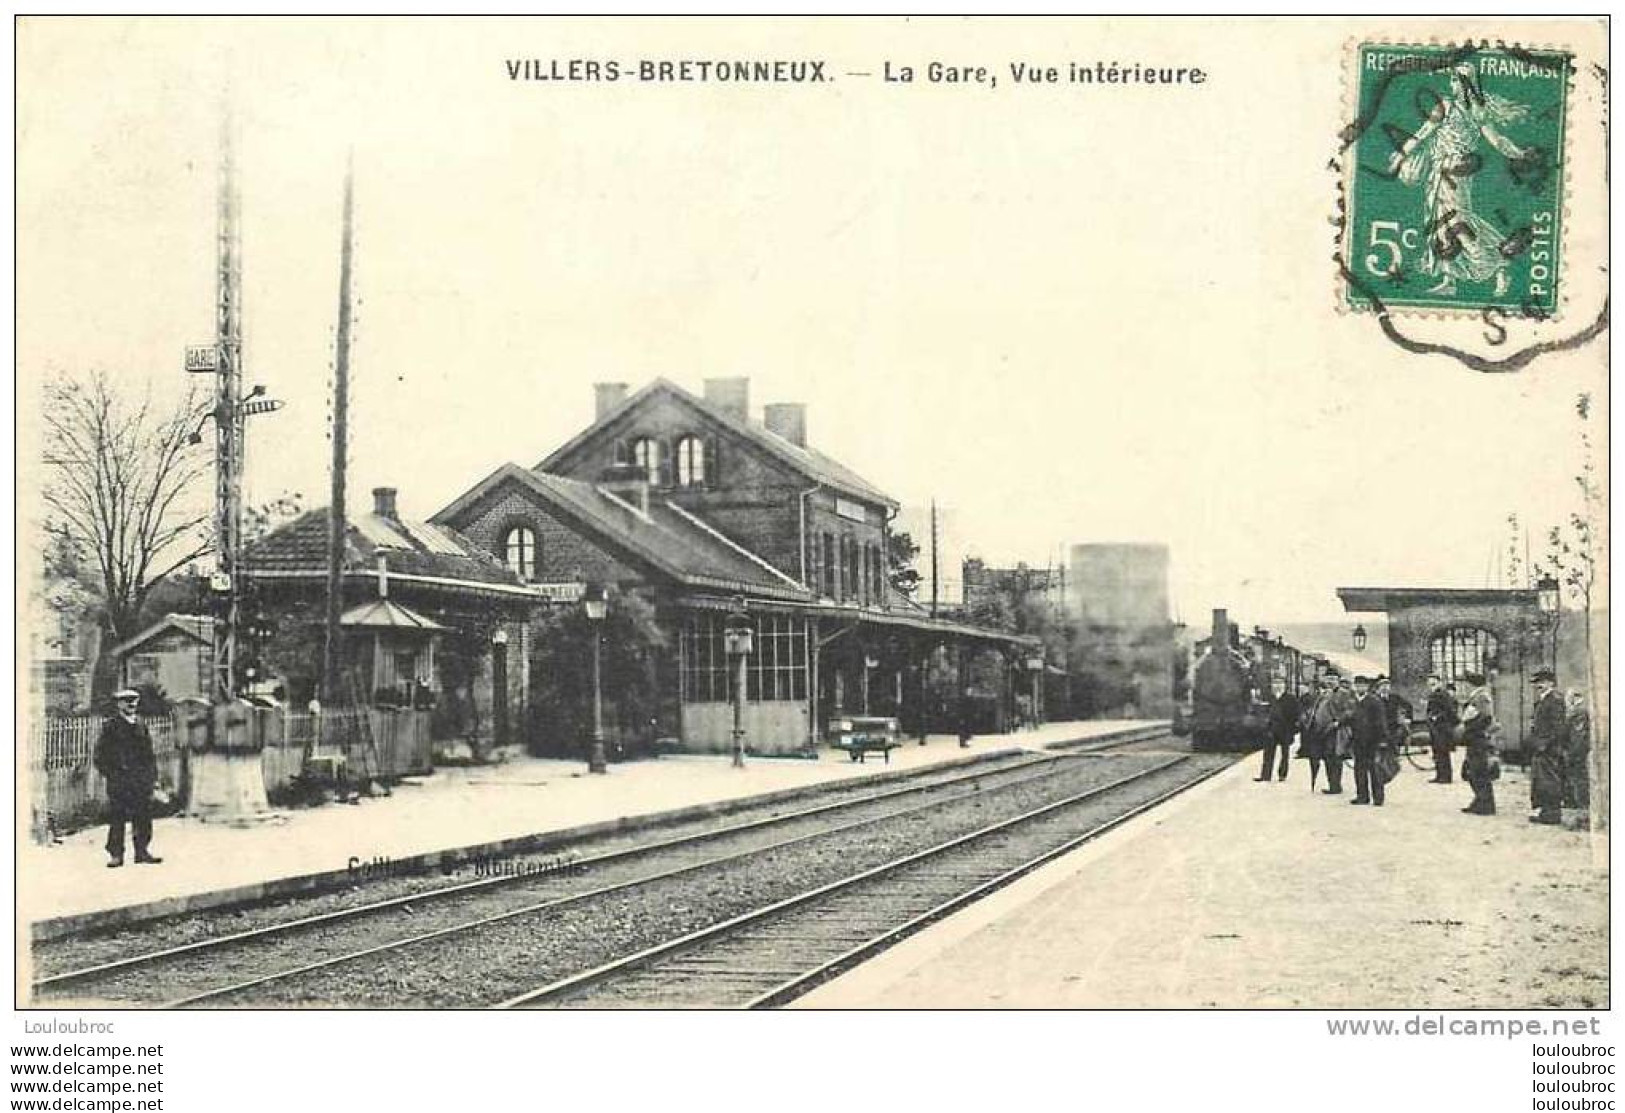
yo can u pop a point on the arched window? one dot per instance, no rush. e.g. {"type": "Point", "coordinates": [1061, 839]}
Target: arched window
{"type": "Point", "coordinates": [519, 551]}
{"type": "Point", "coordinates": [646, 455]}
{"type": "Point", "coordinates": [690, 462]}
{"type": "Point", "coordinates": [1463, 649]}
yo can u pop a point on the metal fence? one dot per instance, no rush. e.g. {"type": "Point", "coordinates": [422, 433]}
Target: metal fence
{"type": "Point", "coordinates": [68, 793]}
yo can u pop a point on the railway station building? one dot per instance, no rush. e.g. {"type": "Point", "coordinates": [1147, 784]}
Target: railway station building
{"type": "Point", "coordinates": [693, 507]}
{"type": "Point", "coordinates": [1500, 632]}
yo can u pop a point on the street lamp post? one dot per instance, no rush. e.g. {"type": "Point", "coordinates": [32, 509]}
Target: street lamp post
{"type": "Point", "coordinates": [595, 602]}
{"type": "Point", "coordinates": [1548, 597]}
{"type": "Point", "coordinates": [737, 639]}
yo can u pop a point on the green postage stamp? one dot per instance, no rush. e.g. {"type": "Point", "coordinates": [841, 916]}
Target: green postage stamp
{"type": "Point", "coordinates": [1455, 179]}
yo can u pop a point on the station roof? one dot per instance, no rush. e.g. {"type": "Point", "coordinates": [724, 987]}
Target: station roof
{"type": "Point", "coordinates": [412, 549]}
{"type": "Point", "coordinates": [385, 614]}
{"type": "Point", "coordinates": [197, 626]}
{"type": "Point", "coordinates": [1372, 599]}
{"type": "Point", "coordinates": [671, 540]}
{"type": "Point", "coordinates": [810, 462]}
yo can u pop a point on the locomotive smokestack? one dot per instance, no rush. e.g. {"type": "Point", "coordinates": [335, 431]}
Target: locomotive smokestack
{"type": "Point", "coordinates": [1221, 628]}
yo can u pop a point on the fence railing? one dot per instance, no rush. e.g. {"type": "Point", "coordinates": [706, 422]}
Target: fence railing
{"type": "Point", "coordinates": [67, 792]}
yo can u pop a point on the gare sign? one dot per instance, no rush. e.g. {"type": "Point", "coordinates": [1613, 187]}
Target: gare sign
{"type": "Point", "coordinates": [568, 592]}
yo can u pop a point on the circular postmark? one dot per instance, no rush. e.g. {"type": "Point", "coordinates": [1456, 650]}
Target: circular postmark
{"type": "Point", "coordinates": [1452, 204]}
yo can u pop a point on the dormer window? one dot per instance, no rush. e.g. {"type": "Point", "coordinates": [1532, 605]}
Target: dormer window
{"type": "Point", "coordinates": [519, 552]}
{"type": "Point", "coordinates": [646, 455]}
{"type": "Point", "coordinates": [691, 462]}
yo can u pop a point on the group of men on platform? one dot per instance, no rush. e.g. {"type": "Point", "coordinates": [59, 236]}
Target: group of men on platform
{"type": "Point", "coordinates": [1365, 719]}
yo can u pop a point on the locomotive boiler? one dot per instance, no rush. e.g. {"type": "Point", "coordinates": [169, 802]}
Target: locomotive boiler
{"type": "Point", "coordinates": [1226, 688]}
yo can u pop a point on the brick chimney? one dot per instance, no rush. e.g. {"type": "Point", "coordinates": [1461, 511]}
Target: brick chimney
{"type": "Point", "coordinates": [383, 503]}
{"type": "Point", "coordinates": [605, 397]}
{"type": "Point", "coordinates": [788, 420]}
{"type": "Point", "coordinates": [627, 482]}
{"type": "Point", "coordinates": [732, 395]}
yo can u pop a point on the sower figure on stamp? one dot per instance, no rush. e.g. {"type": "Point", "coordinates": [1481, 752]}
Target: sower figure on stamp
{"type": "Point", "coordinates": [1480, 767]}
{"type": "Point", "coordinates": [1370, 731]}
{"type": "Point", "coordinates": [1577, 769]}
{"type": "Point", "coordinates": [1280, 728]}
{"type": "Point", "coordinates": [1548, 745]}
{"type": "Point", "coordinates": [1442, 719]}
{"type": "Point", "coordinates": [125, 760]}
{"type": "Point", "coordinates": [1462, 243]}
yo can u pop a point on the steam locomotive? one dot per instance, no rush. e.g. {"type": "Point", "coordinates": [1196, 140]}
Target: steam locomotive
{"type": "Point", "coordinates": [1232, 680]}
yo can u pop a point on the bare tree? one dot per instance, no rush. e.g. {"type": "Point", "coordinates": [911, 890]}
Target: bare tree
{"type": "Point", "coordinates": [120, 474]}
{"type": "Point", "coordinates": [1571, 555]}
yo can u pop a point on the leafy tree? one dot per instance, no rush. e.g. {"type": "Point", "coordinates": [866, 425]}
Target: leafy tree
{"type": "Point", "coordinates": [901, 553]}
{"type": "Point", "coordinates": [561, 676]}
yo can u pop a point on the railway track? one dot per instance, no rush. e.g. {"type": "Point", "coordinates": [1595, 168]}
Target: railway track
{"type": "Point", "coordinates": [228, 968]}
{"type": "Point", "coordinates": [770, 956]}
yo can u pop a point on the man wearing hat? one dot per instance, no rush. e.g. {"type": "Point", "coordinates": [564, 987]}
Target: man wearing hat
{"type": "Point", "coordinates": [1280, 727]}
{"type": "Point", "coordinates": [1441, 713]}
{"type": "Point", "coordinates": [125, 760]}
{"type": "Point", "coordinates": [1548, 747]}
{"type": "Point", "coordinates": [1370, 723]}
{"type": "Point", "coordinates": [1479, 768]}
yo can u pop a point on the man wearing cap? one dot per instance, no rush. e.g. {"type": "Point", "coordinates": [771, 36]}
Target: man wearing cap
{"type": "Point", "coordinates": [1548, 746]}
{"type": "Point", "coordinates": [125, 760]}
{"type": "Point", "coordinates": [1479, 768]}
{"type": "Point", "coordinates": [1370, 723]}
{"type": "Point", "coordinates": [1442, 718]}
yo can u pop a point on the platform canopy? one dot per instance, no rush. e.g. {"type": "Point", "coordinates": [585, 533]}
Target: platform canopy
{"type": "Point", "coordinates": [384, 614]}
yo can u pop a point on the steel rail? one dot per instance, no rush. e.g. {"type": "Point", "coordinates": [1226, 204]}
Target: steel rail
{"type": "Point", "coordinates": [565, 986]}
{"type": "Point", "coordinates": [803, 983]}
{"type": "Point", "coordinates": [1040, 767]}
{"type": "Point", "coordinates": [377, 907]}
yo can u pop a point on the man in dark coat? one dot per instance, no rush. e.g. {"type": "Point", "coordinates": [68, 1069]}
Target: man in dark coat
{"type": "Point", "coordinates": [1442, 719]}
{"type": "Point", "coordinates": [1370, 730]}
{"type": "Point", "coordinates": [125, 760]}
{"type": "Point", "coordinates": [1548, 746]}
{"type": "Point", "coordinates": [1481, 766]}
{"type": "Point", "coordinates": [1280, 727]}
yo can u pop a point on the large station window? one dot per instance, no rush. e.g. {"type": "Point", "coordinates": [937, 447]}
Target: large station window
{"type": "Point", "coordinates": [519, 551]}
{"type": "Point", "coordinates": [1463, 649]}
{"type": "Point", "coordinates": [775, 670]}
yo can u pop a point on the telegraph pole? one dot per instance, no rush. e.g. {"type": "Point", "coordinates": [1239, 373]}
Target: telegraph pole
{"type": "Point", "coordinates": [341, 450]}
{"type": "Point", "coordinates": [227, 783]}
{"type": "Point", "coordinates": [228, 420]}
{"type": "Point", "coordinates": [934, 565]}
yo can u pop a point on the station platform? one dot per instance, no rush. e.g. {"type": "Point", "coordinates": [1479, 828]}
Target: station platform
{"type": "Point", "coordinates": [471, 811]}
{"type": "Point", "coordinates": [1264, 895]}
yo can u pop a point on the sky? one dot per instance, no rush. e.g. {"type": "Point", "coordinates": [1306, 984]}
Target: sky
{"type": "Point", "coordinates": [1071, 314]}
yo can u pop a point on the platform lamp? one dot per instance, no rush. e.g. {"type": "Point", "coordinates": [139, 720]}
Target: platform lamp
{"type": "Point", "coordinates": [1359, 639]}
{"type": "Point", "coordinates": [1548, 597]}
{"type": "Point", "coordinates": [737, 639]}
{"type": "Point", "coordinates": [595, 605]}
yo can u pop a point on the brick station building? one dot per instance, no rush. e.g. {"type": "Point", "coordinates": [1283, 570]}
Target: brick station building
{"type": "Point", "coordinates": [1499, 632]}
{"type": "Point", "coordinates": [691, 504]}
